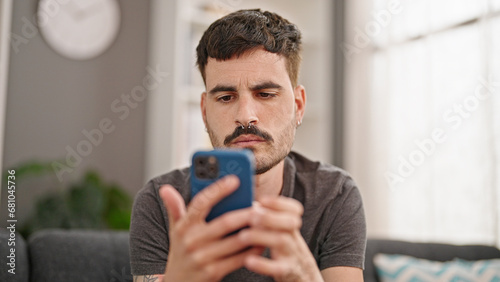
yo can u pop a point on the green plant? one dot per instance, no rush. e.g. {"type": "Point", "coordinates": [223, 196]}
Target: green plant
{"type": "Point", "coordinates": [89, 203]}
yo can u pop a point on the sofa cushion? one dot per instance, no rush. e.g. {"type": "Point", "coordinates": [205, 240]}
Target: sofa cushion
{"type": "Point", "coordinates": [20, 267]}
{"type": "Point", "coordinates": [430, 251]}
{"type": "Point", "coordinates": [401, 268]}
{"type": "Point", "coordinates": [78, 255]}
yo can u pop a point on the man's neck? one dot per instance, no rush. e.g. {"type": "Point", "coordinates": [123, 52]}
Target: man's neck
{"type": "Point", "coordinates": [270, 183]}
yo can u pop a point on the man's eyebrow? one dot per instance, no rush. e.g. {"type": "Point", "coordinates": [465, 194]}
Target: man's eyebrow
{"type": "Point", "coordinates": [266, 85]}
{"type": "Point", "coordinates": [222, 88]}
{"type": "Point", "coordinates": [257, 87]}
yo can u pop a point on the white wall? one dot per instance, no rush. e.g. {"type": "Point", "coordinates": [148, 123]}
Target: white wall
{"type": "Point", "coordinates": [52, 100]}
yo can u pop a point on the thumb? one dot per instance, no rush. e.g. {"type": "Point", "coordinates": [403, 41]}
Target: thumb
{"type": "Point", "coordinates": [174, 203]}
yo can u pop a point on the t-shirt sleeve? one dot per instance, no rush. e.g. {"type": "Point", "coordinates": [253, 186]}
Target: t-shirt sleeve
{"type": "Point", "coordinates": [345, 242]}
{"type": "Point", "coordinates": [148, 233]}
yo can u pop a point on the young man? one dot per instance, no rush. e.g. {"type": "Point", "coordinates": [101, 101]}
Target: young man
{"type": "Point", "coordinates": [307, 222]}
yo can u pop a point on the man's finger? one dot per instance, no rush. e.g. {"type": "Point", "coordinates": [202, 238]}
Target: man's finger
{"type": "Point", "coordinates": [203, 202]}
{"type": "Point", "coordinates": [232, 263]}
{"type": "Point", "coordinates": [173, 201]}
{"type": "Point", "coordinates": [282, 204]}
{"type": "Point", "coordinates": [219, 249]}
{"type": "Point", "coordinates": [270, 267]}
{"type": "Point", "coordinates": [220, 226]}
{"type": "Point", "coordinates": [275, 240]}
{"type": "Point", "coordinates": [275, 220]}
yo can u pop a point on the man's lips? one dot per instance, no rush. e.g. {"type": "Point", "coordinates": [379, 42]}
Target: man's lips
{"type": "Point", "coordinates": [243, 140]}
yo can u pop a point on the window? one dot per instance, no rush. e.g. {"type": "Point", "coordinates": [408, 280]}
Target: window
{"type": "Point", "coordinates": [427, 112]}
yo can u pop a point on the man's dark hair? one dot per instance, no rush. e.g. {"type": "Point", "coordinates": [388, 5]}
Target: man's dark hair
{"type": "Point", "coordinates": [244, 30]}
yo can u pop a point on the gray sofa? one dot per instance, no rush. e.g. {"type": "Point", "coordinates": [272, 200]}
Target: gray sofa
{"type": "Point", "coordinates": [61, 255]}
{"type": "Point", "coordinates": [69, 255]}
{"type": "Point", "coordinates": [429, 251]}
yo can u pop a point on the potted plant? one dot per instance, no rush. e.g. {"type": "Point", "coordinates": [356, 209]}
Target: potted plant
{"type": "Point", "coordinates": [89, 203]}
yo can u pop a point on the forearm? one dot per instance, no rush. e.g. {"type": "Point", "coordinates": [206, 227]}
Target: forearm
{"type": "Point", "coordinates": [149, 278]}
{"type": "Point", "coordinates": [342, 273]}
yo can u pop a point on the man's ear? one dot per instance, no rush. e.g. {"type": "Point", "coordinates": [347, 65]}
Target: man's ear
{"type": "Point", "coordinates": [203, 107]}
{"type": "Point", "coordinates": [300, 102]}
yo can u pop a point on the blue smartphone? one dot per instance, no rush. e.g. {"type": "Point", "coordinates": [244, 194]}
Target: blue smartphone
{"type": "Point", "coordinates": [209, 166]}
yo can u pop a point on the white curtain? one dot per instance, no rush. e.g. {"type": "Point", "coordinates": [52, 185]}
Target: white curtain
{"type": "Point", "coordinates": [428, 111]}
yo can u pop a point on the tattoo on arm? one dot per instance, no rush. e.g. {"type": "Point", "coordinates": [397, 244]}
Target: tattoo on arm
{"type": "Point", "coordinates": [150, 278]}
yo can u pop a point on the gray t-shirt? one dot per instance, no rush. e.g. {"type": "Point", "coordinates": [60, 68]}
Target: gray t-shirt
{"type": "Point", "coordinates": [333, 222]}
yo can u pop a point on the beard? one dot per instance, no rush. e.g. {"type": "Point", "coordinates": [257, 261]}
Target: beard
{"type": "Point", "coordinates": [267, 154]}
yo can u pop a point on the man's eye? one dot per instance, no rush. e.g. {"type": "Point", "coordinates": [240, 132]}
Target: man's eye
{"type": "Point", "coordinates": [225, 98]}
{"type": "Point", "coordinates": [266, 95]}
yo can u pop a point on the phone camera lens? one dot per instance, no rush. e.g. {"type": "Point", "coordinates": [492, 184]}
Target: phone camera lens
{"type": "Point", "coordinates": [201, 174]}
{"type": "Point", "coordinates": [200, 160]}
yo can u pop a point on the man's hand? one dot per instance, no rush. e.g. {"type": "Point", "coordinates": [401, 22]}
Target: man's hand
{"type": "Point", "coordinates": [275, 223]}
{"type": "Point", "coordinates": [200, 251]}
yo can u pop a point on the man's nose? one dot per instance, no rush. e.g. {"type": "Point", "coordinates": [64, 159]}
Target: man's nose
{"type": "Point", "coordinates": [246, 111]}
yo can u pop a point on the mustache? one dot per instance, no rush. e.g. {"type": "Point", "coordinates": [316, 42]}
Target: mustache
{"type": "Point", "coordinates": [251, 130]}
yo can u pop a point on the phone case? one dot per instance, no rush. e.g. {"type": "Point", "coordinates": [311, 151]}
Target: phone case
{"type": "Point", "coordinates": [237, 162]}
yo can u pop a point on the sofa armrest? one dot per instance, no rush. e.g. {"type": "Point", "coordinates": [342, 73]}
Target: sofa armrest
{"type": "Point", "coordinates": [14, 241]}
{"type": "Point", "coordinates": [79, 255]}
{"type": "Point", "coordinates": [429, 251]}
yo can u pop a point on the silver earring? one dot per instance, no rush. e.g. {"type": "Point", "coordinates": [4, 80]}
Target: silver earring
{"type": "Point", "coordinates": [206, 130]}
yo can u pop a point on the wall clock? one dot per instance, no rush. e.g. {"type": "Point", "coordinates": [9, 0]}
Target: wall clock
{"type": "Point", "coordinates": [79, 29]}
